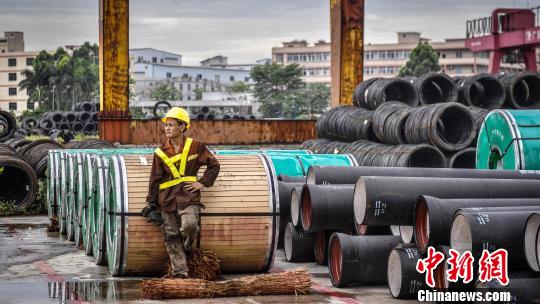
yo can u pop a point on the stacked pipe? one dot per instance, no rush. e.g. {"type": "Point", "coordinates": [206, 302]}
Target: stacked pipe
{"type": "Point", "coordinates": [83, 120]}
{"type": "Point", "coordinates": [432, 109]}
{"type": "Point", "coordinates": [367, 200]}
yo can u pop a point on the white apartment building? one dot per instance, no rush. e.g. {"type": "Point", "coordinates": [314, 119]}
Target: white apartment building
{"type": "Point", "coordinates": [148, 70]}
{"type": "Point", "coordinates": [13, 61]}
{"type": "Point", "coordinates": [385, 59]}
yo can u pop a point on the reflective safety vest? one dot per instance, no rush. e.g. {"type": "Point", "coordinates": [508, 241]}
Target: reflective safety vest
{"type": "Point", "coordinates": [178, 173]}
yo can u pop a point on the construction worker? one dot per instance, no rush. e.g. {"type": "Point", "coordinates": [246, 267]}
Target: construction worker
{"type": "Point", "coordinates": [174, 192]}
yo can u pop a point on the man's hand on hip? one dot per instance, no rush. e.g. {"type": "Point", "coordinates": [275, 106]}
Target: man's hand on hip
{"type": "Point", "coordinates": [195, 186]}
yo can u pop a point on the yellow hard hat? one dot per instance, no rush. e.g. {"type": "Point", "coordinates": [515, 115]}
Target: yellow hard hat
{"type": "Point", "coordinates": [177, 113]}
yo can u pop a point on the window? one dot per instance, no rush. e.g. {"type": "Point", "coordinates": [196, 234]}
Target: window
{"type": "Point", "coordinates": [29, 61]}
{"type": "Point", "coordinates": [246, 79]}
{"type": "Point", "coordinates": [459, 70]}
{"type": "Point", "coordinates": [161, 60]}
{"type": "Point", "coordinates": [185, 75]}
{"type": "Point", "coordinates": [154, 59]}
{"type": "Point", "coordinates": [3, 50]}
{"type": "Point", "coordinates": [13, 106]}
{"type": "Point", "coordinates": [169, 74]}
{"type": "Point", "coordinates": [30, 106]}
{"type": "Point", "coordinates": [197, 86]}
{"type": "Point", "coordinates": [199, 76]}
{"type": "Point", "coordinates": [12, 62]}
{"type": "Point", "coordinates": [189, 98]}
{"type": "Point", "coordinates": [231, 78]}
{"type": "Point", "coordinates": [181, 87]}
{"type": "Point", "coordinates": [216, 78]}
{"type": "Point", "coordinates": [279, 58]}
{"type": "Point", "coordinates": [459, 54]}
{"type": "Point", "coordinates": [12, 91]}
{"type": "Point", "coordinates": [189, 86]}
{"type": "Point", "coordinates": [12, 76]}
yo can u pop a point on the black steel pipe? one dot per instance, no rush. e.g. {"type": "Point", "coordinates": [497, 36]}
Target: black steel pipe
{"type": "Point", "coordinates": [433, 216]}
{"type": "Point", "coordinates": [327, 207]}
{"type": "Point", "coordinates": [390, 89]}
{"type": "Point", "coordinates": [349, 175]}
{"type": "Point", "coordinates": [36, 154]}
{"type": "Point", "coordinates": [435, 88]}
{"type": "Point", "coordinates": [448, 126]}
{"type": "Point", "coordinates": [522, 90]}
{"type": "Point", "coordinates": [84, 116]}
{"type": "Point", "coordinates": [90, 128]}
{"type": "Point", "coordinates": [296, 195]}
{"type": "Point", "coordinates": [383, 200]}
{"type": "Point", "coordinates": [298, 245]}
{"type": "Point", "coordinates": [291, 179]}
{"type": "Point", "coordinates": [359, 259]}
{"type": "Point", "coordinates": [473, 230]}
{"type": "Point", "coordinates": [483, 90]}
{"type": "Point", "coordinates": [29, 122]}
{"type": "Point", "coordinates": [284, 190]}
{"type": "Point", "coordinates": [77, 127]}
{"type": "Point", "coordinates": [522, 290]}
{"type": "Point", "coordinates": [532, 241]}
{"type": "Point", "coordinates": [406, 233]}
{"type": "Point", "coordinates": [320, 246]}
{"type": "Point", "coordinates": [404, 281]}
{"type": "Point", "coordinates": [372, 230]}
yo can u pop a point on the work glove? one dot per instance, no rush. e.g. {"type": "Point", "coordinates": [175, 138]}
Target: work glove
{"type": "Point", "coordinates": [151, 212]}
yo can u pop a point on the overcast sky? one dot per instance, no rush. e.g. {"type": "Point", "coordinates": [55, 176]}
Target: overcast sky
{"type": "Point", "coordinates": [243, 30]}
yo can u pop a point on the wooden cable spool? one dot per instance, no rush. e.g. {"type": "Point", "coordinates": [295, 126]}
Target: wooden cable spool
{"type": "Point", "coordinates": [239, 223]}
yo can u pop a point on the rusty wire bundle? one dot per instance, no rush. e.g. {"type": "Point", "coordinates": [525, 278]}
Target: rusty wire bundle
{"type": "Point", "coordinates": [297, 281]}
{"type": "Point", "coordinates": [202, 265]}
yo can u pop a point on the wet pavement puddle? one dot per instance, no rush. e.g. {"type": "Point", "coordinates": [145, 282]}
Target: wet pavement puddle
{"type": "Point", "coordinates": [69, 292]}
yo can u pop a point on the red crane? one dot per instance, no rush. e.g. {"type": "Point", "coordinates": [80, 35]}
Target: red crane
{"type": "Point", "coordinates": [506, 31]}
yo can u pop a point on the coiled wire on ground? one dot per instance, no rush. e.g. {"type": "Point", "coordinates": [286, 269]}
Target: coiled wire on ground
{"type": "Point", "coordinates": [448, 126]}
{"type": "Point", "coordinates": [380, 155]}
{"type": "Point", "coordinates": [18, 180]}
{"type": "Point", "coordinates": [324, 146]}
{"type": "Point", "coordinates": [483, 90]}
{"type": "Point", "coordinates": [8, 125]}
{"type": "Point", "coordinates": [346, 123]}
{"type": "Point", "coordinates": [522, 90]}
{"type": "Point", "coordinates": [435, 88]}
{"type": "Point", "coordinates": [36, 154]}
{"type": "Point", "coordinates": [391, 89]}
{"type": "Point", "coordinates": [389, 121]}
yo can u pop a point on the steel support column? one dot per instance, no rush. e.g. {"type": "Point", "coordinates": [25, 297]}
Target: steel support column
{"type": "Point", "coordinates": [114, 118]}
{"type": "Point", "coordinates": [347, 48]}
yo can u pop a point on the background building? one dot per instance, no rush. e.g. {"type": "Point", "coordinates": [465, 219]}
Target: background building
{"type": "Point", "coordinates": [385, 59]}
{"type": "Point", "coordinates": [13, 61]}
{"type": "Point", "coordinates": [315, 59]}
{"type": "Point", "coordinates": [214, 75]}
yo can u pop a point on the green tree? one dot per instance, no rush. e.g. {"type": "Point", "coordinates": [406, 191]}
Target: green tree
{"type": "Point", "coordinates": [238, 87]}
{"type": "Point", "coordinates": [306, 101]}
{"type": "Point", "coordinates": [198, 93]}
{"type": "Point", "coordinates": [164, 91]}
{"type": "Point", "coordinates": [273, 83]}
{"type": "Point", "coordinates": [423, 59]}
{"type": "Point", "coordinates": [60, 80]}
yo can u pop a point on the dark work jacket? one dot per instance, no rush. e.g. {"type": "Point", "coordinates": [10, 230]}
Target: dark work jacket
{"type": "Point", "coordinates": [178, 197]}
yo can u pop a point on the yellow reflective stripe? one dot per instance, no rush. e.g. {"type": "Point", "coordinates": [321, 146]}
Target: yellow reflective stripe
{"type": "Point", "coordinates": [185, 153]}
{"type": "Point", "coordinates": [177, 181]}
{"type": "Point", "coordinates": [192, 157]}
{"type": "Point", "coordinates": [168, 162]}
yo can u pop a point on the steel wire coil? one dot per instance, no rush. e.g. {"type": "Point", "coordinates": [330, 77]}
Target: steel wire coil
{"type": "Point", "coordinates": [359, 96]}
{"type": "Point", "coordinates": [448, 126]}
{"type": "Point", "coordinates": [389, 121]}
{"type": "Point", "coordinates": [522, 90]}
{"type": "Point", "coordinates": [483, 90]}
{"type": "Point", "coordinates": [435, 88]}
{"type": "Point", "coordinates": [380, 155]}
{"type": "Point", "coordinates": [391, 89]}
{"type": "Point", "coordinates": [36, 154]}
{"type": "Point", "coordinates": [8, 125]}
{"type": "Point", "coordinates": [346, 123]}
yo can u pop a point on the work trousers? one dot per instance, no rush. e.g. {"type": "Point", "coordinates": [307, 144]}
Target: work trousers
{"type": "Point", "coordinates": [179, 226]}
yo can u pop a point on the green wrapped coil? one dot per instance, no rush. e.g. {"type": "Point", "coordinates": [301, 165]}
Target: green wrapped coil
{"type": "Point", "coordinates": [510, 140]}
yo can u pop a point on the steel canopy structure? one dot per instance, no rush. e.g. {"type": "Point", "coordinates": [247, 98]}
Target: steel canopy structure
{"type": "Point", "coordinates": [506, 31]}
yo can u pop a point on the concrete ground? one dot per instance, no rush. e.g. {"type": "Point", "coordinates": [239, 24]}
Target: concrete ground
{"type": "Point", "coordinates": [37, 266]}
